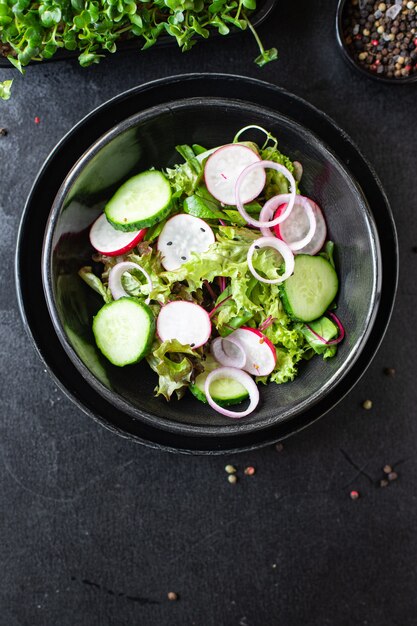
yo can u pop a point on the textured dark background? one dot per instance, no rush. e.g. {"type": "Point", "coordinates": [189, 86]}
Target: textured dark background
{"type": "Point", "coordinates": [96, 530]}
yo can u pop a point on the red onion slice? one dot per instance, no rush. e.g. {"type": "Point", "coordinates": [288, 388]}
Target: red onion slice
{"type": "Point", "coordinates": [241, 377]}
{"type": "Point", "coordinates": [229, 352]}
{"type": "Point", "coordinates": [268, 211]}
{"type": "Point", "coordinates": [279, 168]}
{"type": "Point", "coordinates": [115, 279]}
{"type": "Point", "coordinates": [281, 247]}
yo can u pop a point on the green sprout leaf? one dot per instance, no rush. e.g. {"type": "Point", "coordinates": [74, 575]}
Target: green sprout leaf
{"type": "Point", "coordinates": [5, 89]}
{"type": "Point", "coordinates": [33, 31]}
{"type": "Point", "coordinates": [266, 56]}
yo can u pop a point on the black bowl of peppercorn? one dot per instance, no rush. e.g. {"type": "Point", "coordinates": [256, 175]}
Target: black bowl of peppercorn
{"type": "Point", "coordinates": [379, 38]}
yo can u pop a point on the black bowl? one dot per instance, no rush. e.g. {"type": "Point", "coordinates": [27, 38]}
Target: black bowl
{"type": "Point", "coordinates": [149, 139]}
{"type": "Point", "coordinates": [344, 48]}
{"type": "Point", "coordinates": [32, 303]}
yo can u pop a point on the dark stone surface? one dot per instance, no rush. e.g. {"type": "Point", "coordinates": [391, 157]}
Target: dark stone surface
{"type": "Point", "coordinates": [96, 530]}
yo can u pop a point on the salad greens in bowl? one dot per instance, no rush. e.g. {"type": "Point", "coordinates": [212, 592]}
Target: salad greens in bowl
{"type": "Point", "coordinates": [210, 266]}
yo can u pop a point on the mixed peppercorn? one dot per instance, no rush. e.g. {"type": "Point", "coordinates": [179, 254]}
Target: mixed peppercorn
{"type": "Point", "coordinates": [382, 36]}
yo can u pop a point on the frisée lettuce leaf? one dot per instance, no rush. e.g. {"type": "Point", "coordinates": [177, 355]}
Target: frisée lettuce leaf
{"type": "Point", "coordinates": [176, 365]}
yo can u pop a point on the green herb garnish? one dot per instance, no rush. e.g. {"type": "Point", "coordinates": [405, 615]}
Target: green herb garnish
{"type": "Point", "coordinates": [34, 31]}
{"type": "Point", "coordinates": [5, 87]}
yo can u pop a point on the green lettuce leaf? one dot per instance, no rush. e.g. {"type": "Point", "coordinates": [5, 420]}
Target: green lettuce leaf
{"type": "Point", "coordinates": [326, 329]}
{"type": "Point", "coordinates": [176, 365]}
{"type": "Point", "coordinates": [95, 283]}
{"type": "Point", "coordinates": [185, 177]}
{"type": "Point", "coordinates": [328, 253]}
{"type": "Point", "coordinates": [276, 183]}
{"type": "Point", "coordinates": [150, 261]}
{"type": "Point", "coordinates": [286, 367]}
{"type": "Point", "coordinates": [199, 205]}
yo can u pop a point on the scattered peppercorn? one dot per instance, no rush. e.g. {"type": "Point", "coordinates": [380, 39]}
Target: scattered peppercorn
{"type": "Point", "coordinates": [250, 471]}
{"type": "Point", "coordinates": [230, 469]}
{"type": "Point", "coordinates": [279, 447]}
{"type": "Point", "coordinates": [387, 469]}
{"type": "Point", "coordinates": [367, 404]}
{"type": "Point", "coordinates": [389, 371]}
{"type": "Point", "coordinates": [354, 495]}
{"type": "Point", "coordinates": [392, 476]}
{"type": "Point", "coordinates": [384, 482]}
{"type": "Point", "coordinates": [372, 30]}
{"type": "Point", "coordinates": [3, 132]}
{"type": "Point", "coordinates": [232, 478]}
{"type": "Point", "coordinates": [37, 120]}
{"type": "Point", "coordinates": [172, 596]}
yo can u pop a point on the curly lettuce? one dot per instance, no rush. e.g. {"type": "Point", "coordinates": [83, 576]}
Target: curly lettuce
{"type": "Point", "coordinates": [244, 302]}
{"type": "Point", "coordinates": [176, 365]}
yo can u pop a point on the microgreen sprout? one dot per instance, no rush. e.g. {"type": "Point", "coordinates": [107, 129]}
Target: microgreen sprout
{"type": "Point", "coordinates": [34, 31]}
{"type": "Point", "coordinates": [5, 88]}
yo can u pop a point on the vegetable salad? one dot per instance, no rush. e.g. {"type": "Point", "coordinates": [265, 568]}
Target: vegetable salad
{"type": "Point", "coordinates": [217, 271]}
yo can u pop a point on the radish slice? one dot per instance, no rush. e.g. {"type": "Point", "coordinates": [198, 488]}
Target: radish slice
{"type": "Point", "coordinates": [185, 321]}
{"type": "Point", "coordinates": [240, 200]}
{"type": "Point", "coordinates": [302, 218]}
{"type": "Point", "coordinates": [281, 247]}
{"type": "Point", "coordinates": [239, 376]}
{"type": "Point", "coordinates": [297, 224]}
{"type": "Point", "coordinates": [225, 166]}
{"type": "Point", "coordinates": [260, 352]}
{"type": "Point", "coordinates": [111, 242]}
{"type": "Point", "coordinates": [115, 279]}
{"type": "Point", "coordinates": [228, 351]}
{"type": "Point", "coordinates": [181, 235]}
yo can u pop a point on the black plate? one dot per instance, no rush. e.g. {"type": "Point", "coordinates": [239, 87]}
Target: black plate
{"type": "Point", "coordinates": [263, 10]}
{"type": "Point", "coordinates": [33, 306]}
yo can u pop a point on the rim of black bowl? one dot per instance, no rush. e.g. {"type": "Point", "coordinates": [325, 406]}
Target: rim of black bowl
{"type": "Point", "coordinates": [58, 364]}
{"type": "Point", "coordinates": [117, 399]}
{"type": "Point", "coordinates": [348, 57]}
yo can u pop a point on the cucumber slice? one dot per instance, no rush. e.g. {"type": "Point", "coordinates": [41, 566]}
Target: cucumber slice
{"type": "Point", "coordinates": [313, 286]}
{"type": "Point", "coordinates": [141, 201]}
{"type": "Point", "coordinates": [124, 330]}
{"type": "Point", "coordinates": [225, 391]}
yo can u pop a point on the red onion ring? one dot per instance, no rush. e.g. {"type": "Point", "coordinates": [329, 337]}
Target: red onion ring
{"type": "Point", "coordinates": [115, 279]}
{"type": "Point", "coordinates": [301, 243]}
{"type": "Point", "coordinates": [281, 247]}
{"type": "Point", "coordinates": [241, 377]}
{"type": "Point", "coordinates": [268, 211]}
{"type": "Point", "coordinates": [269, 208]}
{"type": "Point", "coordinates": [218, 350]}
{"type": "Point", "coordinates": [279, 168]}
